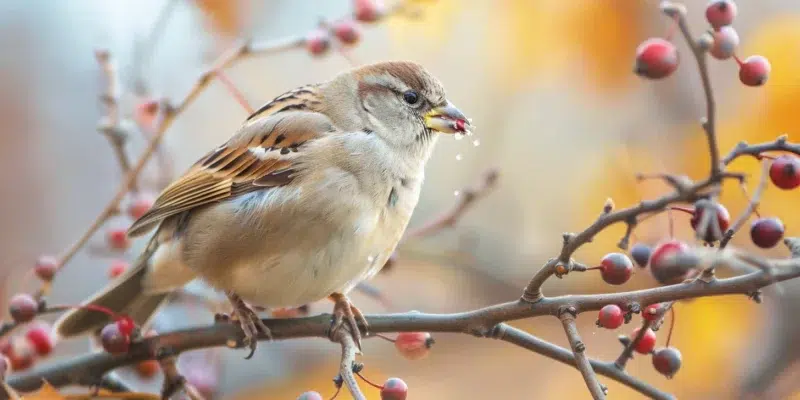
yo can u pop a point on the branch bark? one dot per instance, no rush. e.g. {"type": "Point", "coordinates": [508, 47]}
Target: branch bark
{"type": "Point", "coordinates": [579, 353]}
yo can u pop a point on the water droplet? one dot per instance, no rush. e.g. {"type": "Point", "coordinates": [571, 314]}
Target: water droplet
{"type": "Point", "coordinates": [458, 157]}
{"type": "Point", "coordinates": [456, 193]}
{"type": "Point", "coordinates": [476, 142]}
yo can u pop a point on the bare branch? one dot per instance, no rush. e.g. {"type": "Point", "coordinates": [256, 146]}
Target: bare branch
{"type": "Point", "coordinates": [756, 150]}
{"type": "Point", "coordinates": [579, 352]}
{"type": "Point", "coordinates": [751, 207]}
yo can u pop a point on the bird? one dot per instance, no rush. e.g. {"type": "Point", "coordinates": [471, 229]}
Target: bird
{"type": "Point", "coordinates": [310, 196]}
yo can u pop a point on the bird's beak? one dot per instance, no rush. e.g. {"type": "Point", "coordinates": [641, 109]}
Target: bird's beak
{"type": "Point", "coordinates": [447, 119]}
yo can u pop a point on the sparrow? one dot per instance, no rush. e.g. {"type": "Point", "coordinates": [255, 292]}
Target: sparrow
{"type": "Point", "coordinates": [309, 197]}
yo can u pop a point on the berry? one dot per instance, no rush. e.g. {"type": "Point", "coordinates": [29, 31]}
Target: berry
{"type": "Point", "coordinates": [610, 317]}
{"type": "Point", "coordinates": [766, 232]}
{"type": "Point", "coordinates": [139, 205]}
{"type": "Point", "coordinates": [662, 264]}
{"type": "Point", "coordinates": [720, 13]}
{"type": "Point", "coordinates": [147, 369]}
{"type": "Point", "coordinates": [394, 389]}
{"type": "Point", "coordinates": [754, 71]}
{"type": "Point", "coordinates": [126, 325]}
{"type": "Point", "coordinates": [347, 31]}
{"type": "Point", "coordinates": [785, 172]}
{"type": "Point", "coordinates": [42, 339]}
{"type": "Point", "coordinates": [310, 396]}
{"type": "Point", "coordinates": [114, 341]}
{"type": "Point", "coordinates": [23, 307]}
{"type": "Point", "coordinates": [318, 42]}
{"type": "Point", "coordinates": [726, 40]}
{"type": "Point", "coordinates": [647, 343]}
{"type": "Point", "coordinates": [146, 112]}
{"type": "Point", "coordinates": [616, 268]}
{"type": "Point", "coordinates": [413, 345]}
{"type": "Point", "coordinates": [640, 253]}
{"type": "Point", "coordinates": [653, 311]}
{"type": "Point", "coordinates": [723, 221]}
{"type": "Point", "coordinates": [45, 268]}
{"type": "Point", "coordinates": [367, 10]}
{"type": "Point", "coordinates": [20, 353]}
{"type": "Point", "coordinates": [656, 58]}
{"type": "Point", "coordinates": [667, 361]}
{"type": "Point", "coordinates": [117, 238]}
{"type": "Point", "coordinates": [117, 268]}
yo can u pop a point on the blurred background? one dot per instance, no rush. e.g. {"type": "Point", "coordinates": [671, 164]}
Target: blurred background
{"type": "Point", "coordinates": [558, 111]}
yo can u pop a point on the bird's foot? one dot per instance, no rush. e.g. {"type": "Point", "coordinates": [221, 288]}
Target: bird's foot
{"type": "Point", "coordinates": [249, 321]}
{"type": "Point", "coordinates": [344, 310]}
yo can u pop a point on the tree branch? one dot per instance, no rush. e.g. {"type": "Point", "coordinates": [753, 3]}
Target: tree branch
{"type": "Point", "coordinates": [349, 351]}
{"type": "Point", "coordinates": [751, 206]}
{"type": "Point", "coordinates": [755, 150]}
{"type": "Point", "coordinates": [579, 353]}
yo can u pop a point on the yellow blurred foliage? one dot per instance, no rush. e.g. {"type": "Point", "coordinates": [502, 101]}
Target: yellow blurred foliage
{"type": "Point", "coordinates": [224, 16]}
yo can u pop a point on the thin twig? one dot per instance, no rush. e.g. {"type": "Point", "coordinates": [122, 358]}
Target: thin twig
{"type": "Point", "coordinates": [579, 351]}
{"type": "Point", "coordinates": [755, 150]}
{"type": "Point", "coordinates": [751, 206]}
{"type": "Point", "coordinates": [627, 352]}
{"type": "Point", "coordinates": [349, 351]}
{"type": "Point", "coordinates": [109, 124]}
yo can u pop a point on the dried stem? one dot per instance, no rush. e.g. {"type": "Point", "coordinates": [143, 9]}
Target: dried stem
{"type": "Point", "coordinates": [109, 125]}
{"type": "Point", "coordinates": [751, 206]}
{"type": "Point", "coordinates": [579, 351]}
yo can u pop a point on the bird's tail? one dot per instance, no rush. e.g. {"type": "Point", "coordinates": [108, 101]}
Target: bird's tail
{"type": "Point", "coordinates": [125, 296]}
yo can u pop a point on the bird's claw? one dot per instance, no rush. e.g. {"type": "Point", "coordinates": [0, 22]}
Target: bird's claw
{"type": "Point", "coordinates": [344, 310]}
{"type": "Point", "coordinates": [250, 323]}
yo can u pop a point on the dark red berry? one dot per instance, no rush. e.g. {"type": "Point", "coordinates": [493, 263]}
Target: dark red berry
{"type": "Point", "coordinates": [126, 325]}
{"type": "Point", "coordinates": [754, 71]}
{"type": "Point", "coordinates": [766, 232]}
{"type": "Point", "coordinates": [42, 339]}
{"type": "Point", "coordinates": [310, 396]}
{"type": "Point", "coordinates": [720, 13]}
{"type": "Point", "coordinates": [656, 58]}
{"type": "Point", "coordinates": [616, 268]}
{"type": "Point", "coordinates": [367, 10]}
{"type": "Point", "coordinates": [640, 253]}
{"type": "Point", "coordinates": [413, 345]}
{"type": "Point", "coordinates": [318, 42]}
{"type": "Point", "coordinates": [647, 343]}
{"type": "Point", "coordinates": [663, 265]}
{"type": "Point", "coordinates": [23, 307]}
{"type": "Point", "coordinates": [347, 31]}
{"type": "Point", "coordinates": [723, 221]}
{"type": "Point", "coordinates": [785, 172]}
{"type": "Point", "coordinates": [46, 267]}
{"type": "Point", "coordinates": [610, 317]}
{"type": "Point", "coordinates": [667, 361]}
{"type": "Point", "coordinates": [394, 389]}
{"type": "Point", "coordinates": [653, 311]}
{"type": "Point", "coordinates": [114, 341]}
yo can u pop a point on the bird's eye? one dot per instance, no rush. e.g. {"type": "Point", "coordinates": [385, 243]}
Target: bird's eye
{"type": "Point", "coordinates": [411, 97]}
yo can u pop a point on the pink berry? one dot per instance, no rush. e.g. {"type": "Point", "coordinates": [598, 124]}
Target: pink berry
{"type": "Point", "coordinates": [20, 353]}
{"type": "Point", "coordinates": [140, 204]}
{"type": "Point", "coordinates": [647, 343]}
{"type": "Point", "coordinates": [726, 40]}
{"type": "Point", "coordinates": [146, 112]}
{"type": "Point", "coordinates": [667, 361]}
{"type": "Point", "coordinates": [766, 232]}
{"type": "Point", "coordinates": [367, 10]}
{"type": "Point", "coordinates": [754, 71]}
{"type": "Point", "coordinates": [610, 317]}
{"type": "Point", "coordinates": [785, 172]}
{"type": "Point", "coordinates": [117, 238]}
{"type": "Point", "coordinates": [394, 389]}
{"type": "Point", "coordinates": [720, 13]}
{"type": "Point", "coordinates": [656, 58]}
{"type": "Point", "coordinates": [23, 307]}
{"type": "Point", "coordinates": [45, 268]}
{"type": "Point", "coordinates": [653, 311]}
{"type": "Point", "coordinates": [126, 325]}
{"type": "Point", "coordinates": [113, 340]}
{"type": "Point", "coordinates": [414, 345]}
{"type": "Point", "coordinates": [310, 396]}
{"type": "Point", "coordinates": [662, 264]}
{"type": "Point", "coordinates": [723, 221]}
{"type": "Point", "coordinates": [347, 31]}
{"type": "Point", "coordinates": [640, 253]}
{"type": "Point", "coordinates": [318, 42]}
{"type": "Point", "coordinates": [616, 268]}
{"type": "Point", "coordinates": [117, 268]}
{"type": "Point", "coordinates": [42, 339]}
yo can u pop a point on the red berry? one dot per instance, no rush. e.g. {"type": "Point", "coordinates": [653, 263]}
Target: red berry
{"type": "Point", "coordinates": [616, 268]}
{"type": "Point", "coordinates": [20, 353]}
{"type": "Point", "coordinates": [140, 204]}
{"type": "Point", "coordinates": [726, 40]}
{"type": "Point", "coordinates": [126, 325]}
{"type": "Point", "coordinates": [42, 339]}
{"type": "Point", "coordinates": [114, 341]}
{"type": "Point", "coordinates": [117, 238]}
{"type": "Point", "coordinates": [147, 369]}
{"type": "Point", "coordinates": [766, 232]}
{"type": "Point", "coordinates": [367, 10]}
{"type": "Point", "coordinates": [640, 253]}
{"type": "Point", "coordinates": [723, 221]}
{"type": "Point", "coordinates": [117, 268]}
{"type": "Point", "coordinates": [414, 345]}
{"type": "Point", "coordinates": [653, 311]}
{"type": "Point", "coordinates": [720, 13]}
{"type": "Point", "coordinates": [23, 307]}
{"type": "Point", "coordinates": [347, 31]}
{"type": "Point", "coordinates": [656, 58]}
{"type": "Point", "coordinates": [662, 264]}
{"type": "Point", "coordinates": [785, 172]}
{"type": "Point", "coordinates": [318, 42]}
{"type": "Point", "coordinates": [754, 71]}
{"type": "Point", "coordinates": [45, 268]}
{"type": "Point", "coordinates": [310, 396]}
{"type": "Point", "coordinates": [394, 389]}
{"type": "Point", "coordinates": [610, 317]}
{"type": "Point", "coordinates": [647, 343]}
{"type": "Point", "coordinates": [667, 361]}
